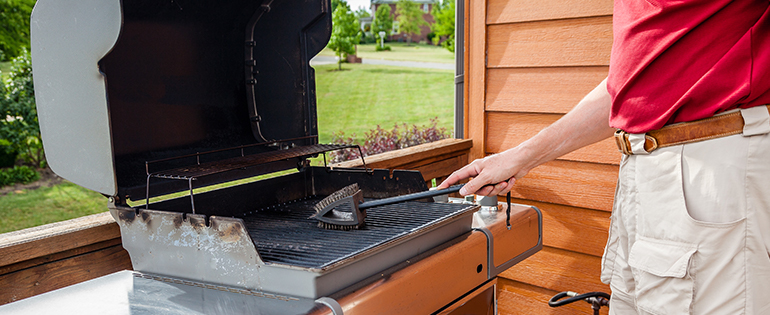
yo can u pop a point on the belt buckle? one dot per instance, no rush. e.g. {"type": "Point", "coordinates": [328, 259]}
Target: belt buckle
{"type": "Point", "coordinates": [621, 139]}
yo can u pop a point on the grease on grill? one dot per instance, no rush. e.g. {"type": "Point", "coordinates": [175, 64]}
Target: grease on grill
{"type": "Point", "coordinates": [284, 234]}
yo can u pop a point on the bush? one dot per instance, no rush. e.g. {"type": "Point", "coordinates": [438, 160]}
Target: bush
{"type": "Point", "coordinates": [7, 154]}
{"type": "Point", "coordinates": [431, 37]}
{"type": "Point", "coordinates": [19, 124]}
{"type": "Point", "coordinates": [18, 174]}
{"type": "Point", "coordinates": [14, 28]}
{"type": "Point", "coordinates": [368, 38]}
{"type": "Point", "coordinates": [381, 140]}
{"type": "Point", "coordinates": [378, 48]}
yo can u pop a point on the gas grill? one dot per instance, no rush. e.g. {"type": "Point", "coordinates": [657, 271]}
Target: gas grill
{"type": "Point", "coordinates": [139, 99]}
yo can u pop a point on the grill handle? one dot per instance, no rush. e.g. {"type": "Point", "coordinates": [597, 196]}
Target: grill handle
{"type": "Point", "coordinates": [409, 197]}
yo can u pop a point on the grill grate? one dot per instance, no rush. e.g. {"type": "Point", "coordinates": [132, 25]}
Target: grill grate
{"type": "Point", "coordinates": [210, 168]}
{"type": "Point", "coordinates": [284, 234]}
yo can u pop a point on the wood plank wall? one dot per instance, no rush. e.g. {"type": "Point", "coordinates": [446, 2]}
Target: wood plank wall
{"type": "Point", "coordinates": [529, 62]}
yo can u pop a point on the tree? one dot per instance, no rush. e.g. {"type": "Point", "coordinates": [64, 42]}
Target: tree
{"type": "Point", "coordinates": [345, 33]}
{"type": "Point", "coordinates": [335, 3]}
{"type": "Point", "coordinates": [14, 26]}
{"type": "Point", "coordinates": [382, 22]}
{"type": "Point", "coordinates": [17, 104]}
{"type": "Point", "coordinates": [362, 13]}
{"type": "Point", "coordinates": [409, 18]}
{"type": "Point", "coordinates": [444, 14]}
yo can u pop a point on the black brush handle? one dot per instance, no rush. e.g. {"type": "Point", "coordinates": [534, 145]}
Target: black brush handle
{"type": "Point", "coordinates": [410, 197]}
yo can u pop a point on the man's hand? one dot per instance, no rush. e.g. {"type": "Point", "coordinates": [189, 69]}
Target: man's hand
{"type": "Point", "coordinates": [492, 175]}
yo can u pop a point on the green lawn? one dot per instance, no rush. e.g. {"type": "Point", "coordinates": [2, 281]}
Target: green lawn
{"type": "Point", "coordinates": [361, 97]}
{"type": "Point", "coordinates": [400, 51]}
{"type": "Point", "coordinates": [355, 100]}
{"type": "Point", "coordinates": [28, 208]}
{"type": "Point", "coordinates": [46, 205]}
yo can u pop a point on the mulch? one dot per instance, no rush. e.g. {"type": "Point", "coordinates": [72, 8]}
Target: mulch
{"type": "Point", "coordinates": [47, 179]}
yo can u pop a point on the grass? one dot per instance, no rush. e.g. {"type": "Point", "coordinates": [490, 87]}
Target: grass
{"type": "Point", "coordinates": [354, 100]}
{"type": "Point", "coordinates": [65, 201]}
{"type": "Point", "coordinates": [29, 208]}
{"type": "Point", "coordinates": [361, 97]}
{"type": "Point", "coordinates": [402, 52]}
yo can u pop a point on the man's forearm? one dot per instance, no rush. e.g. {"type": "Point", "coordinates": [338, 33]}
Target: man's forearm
{"type": "Point", "coordinates": [585, 124]}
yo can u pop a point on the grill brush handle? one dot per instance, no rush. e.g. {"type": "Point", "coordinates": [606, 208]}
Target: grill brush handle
{"type": "Point", "coordinates": [409, 197]}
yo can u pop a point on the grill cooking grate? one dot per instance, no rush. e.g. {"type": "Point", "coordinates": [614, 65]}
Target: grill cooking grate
{"type": "Point", "coordinates": [284, 234]}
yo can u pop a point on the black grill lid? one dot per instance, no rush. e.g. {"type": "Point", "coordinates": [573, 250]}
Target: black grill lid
{"type": "Point", "coordinates": [182, 77]}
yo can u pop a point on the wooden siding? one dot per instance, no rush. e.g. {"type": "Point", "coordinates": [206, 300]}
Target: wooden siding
{"type": "Point", "coordinates": [540, 90]}
{"type": "Point", "coordinates": [508, 129]}
{"type": "Point", "coordinates": [530, 62]}
{"type": "Point", "coordinates": [572, 42]}
{"type": "Point", "coordinates": [506, 11]}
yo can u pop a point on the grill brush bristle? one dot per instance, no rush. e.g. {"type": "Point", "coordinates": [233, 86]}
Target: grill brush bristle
{"type": "Point", "coordinates": [329, 226]}
{"type": "Point", "coordinates": [337, 195]}
{"type": "Point", "coordinates": [340, 211]}
{"type": "Point", "coordinates": [345, 210]}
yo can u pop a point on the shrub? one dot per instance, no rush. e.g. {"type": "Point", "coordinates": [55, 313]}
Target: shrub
{"type": "Point", "coordinates": [378, 48]}
{"type": "Point", "coordinates": [19, 124]}
{"type": "Point", "coordinates": [431, 37]}
{"type": "Point", "coordinates": [368, 38]}
{"type": "Point", "coordinates": [381, 140]}
{"type": "Point", "coordinates": [14, 28]}
{"type": "Point", "coordinates": [18, 174]}
{"type": "Point", "coordinates": [7, 154]}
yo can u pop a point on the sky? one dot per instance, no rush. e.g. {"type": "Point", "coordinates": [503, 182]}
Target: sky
{"type": "Point", "coordinates": [354, 4]}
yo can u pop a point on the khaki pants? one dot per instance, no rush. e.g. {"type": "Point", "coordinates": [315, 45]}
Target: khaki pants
{"type": "Point", "coordinates": [690, 230]}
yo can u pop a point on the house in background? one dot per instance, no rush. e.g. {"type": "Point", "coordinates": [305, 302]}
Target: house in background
{"type": "Point", "coordinates": [425, 5]}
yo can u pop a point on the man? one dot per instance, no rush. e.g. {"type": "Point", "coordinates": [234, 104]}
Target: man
{"type": "Point", "coordinates": [686, 92]}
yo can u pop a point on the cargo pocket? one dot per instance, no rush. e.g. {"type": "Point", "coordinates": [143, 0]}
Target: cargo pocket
{"type": "Point", "coordinates": [661, 269]}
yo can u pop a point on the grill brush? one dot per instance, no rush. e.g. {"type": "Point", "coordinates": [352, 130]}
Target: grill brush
{"type": "Point", "coordinates": [345, 209]}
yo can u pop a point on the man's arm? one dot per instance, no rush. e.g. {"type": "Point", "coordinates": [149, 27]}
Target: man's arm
{"type": "Point", "coordinates": [585, 124]}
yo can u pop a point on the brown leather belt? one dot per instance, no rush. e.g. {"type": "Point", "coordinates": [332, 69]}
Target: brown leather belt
{"type": "Point", "coordinates": [694, 131]}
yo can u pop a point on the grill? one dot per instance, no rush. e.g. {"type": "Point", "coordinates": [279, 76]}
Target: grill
{"type": "Point", "coordinates": [141, 98]}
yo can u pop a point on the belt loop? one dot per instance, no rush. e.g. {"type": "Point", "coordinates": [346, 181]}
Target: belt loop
{"type": "Point", "coordinates": [756, 120]}
{"type": "Point", "coordinates": [637, 140]}
{"type": "Point", "coordinates": [621, 139]}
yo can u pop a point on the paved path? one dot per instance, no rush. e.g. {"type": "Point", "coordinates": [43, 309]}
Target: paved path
{"type": "Point", "coordinates": [325, 60]}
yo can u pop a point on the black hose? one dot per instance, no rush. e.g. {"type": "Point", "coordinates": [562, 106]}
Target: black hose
{"type": "Point", "coordinates": [554, 302]}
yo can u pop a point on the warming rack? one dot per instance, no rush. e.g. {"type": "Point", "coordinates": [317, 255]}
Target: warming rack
{"type": "Point", "coordinates": [198, 170]}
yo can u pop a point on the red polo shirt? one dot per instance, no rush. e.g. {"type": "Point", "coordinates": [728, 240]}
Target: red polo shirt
{"type": "Point", "coordinates": [676, 61]}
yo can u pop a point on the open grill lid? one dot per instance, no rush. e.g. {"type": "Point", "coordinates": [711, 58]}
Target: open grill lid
{"type": "Point", "coordinates": [123, 82]}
